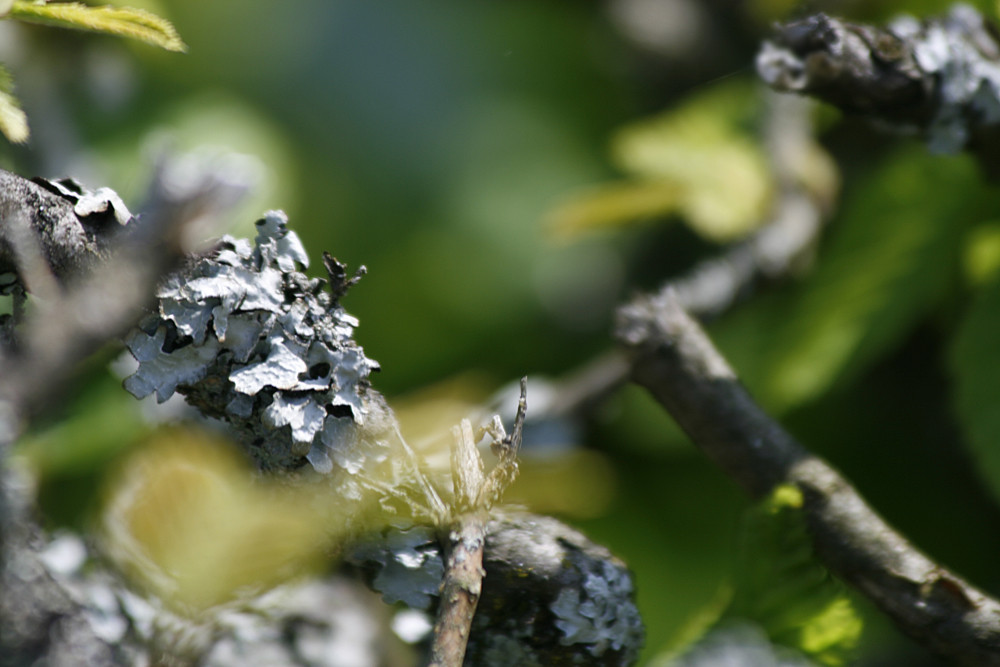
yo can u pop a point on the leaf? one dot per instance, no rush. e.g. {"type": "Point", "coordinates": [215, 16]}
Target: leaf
{"type": "Point", "coordinates": [13, 121]}
{"type": "Point", "coordinates": [892, 256]}
{"type": "Point", "coordinates": [701, 160]}
{"type": "Point", "coordinates": [704, 150]}
{"type": "Point", "coordinates": [781, 585]}
{"type": "Point", "coordinates": [981, 256]}
{"type": "Point", "coordinates": [974, 359]}
{"type": "Point", "coordinates": [122, 21]}
{"type": "Point", "coordinates": [612, 204]}
{"type": "Point", "coordinates": [185, 520]}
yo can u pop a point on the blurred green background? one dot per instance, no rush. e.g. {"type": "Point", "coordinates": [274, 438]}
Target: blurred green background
{"type": "Point", "coordinates": [431, 141]}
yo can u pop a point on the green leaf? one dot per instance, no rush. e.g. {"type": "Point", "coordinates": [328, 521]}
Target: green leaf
{"type": "Point", "coordinates": [974, 359]}
{"type": "Point", "coordinates": [892, 255]}
{"type": "Point", "coordinates": [981, 256]}
{"type": "Point", "coordinates": [781, 586]}
{"type": "Point", "coordinates": [708, 151]}
{"type": "Point", "coordinates": [13, 121]}
{"type": "Point", "coordinates": [122, 21]}
{"type": "Point", "coordinates": [701, 160]}
{"type": "Point", "coordinates": [612, 205]}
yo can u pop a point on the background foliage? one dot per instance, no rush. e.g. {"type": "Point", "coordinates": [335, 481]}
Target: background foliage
{"type": "Point", "coordinates": [483, 160]}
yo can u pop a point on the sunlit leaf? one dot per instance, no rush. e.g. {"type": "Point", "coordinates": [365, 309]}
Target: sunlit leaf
{"type": "Point", "coordinates": [975, 363]}
{"type": "Point", "coordinates": [981, 257]}
{"type": "Point", "coordinates": [891, 256]}
{"type": "Point", "coordinates": [121, 21]}
{"type": "Point", "coordinates": [186, 522]}
{"type": "Point", "coordinates": [701, 160]}
{"type": "Point", "coordinates": [781, 585]}
{"type": "Point", "coordinates": [613, 204]}
{"type": "Point", "coordinates": [13, 121]}
{"type": "Point", "coordinates": [705, 150]}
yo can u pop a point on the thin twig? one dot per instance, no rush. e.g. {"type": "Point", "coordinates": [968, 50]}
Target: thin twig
{"type": "Point", "coordinates": [463, 576]}
{"type": "Point", "coordinates": [797, 216]}
{"type": "Point", "coordinates": [674, 359]}
{"type": "Point", "coordinates": [475, 495]}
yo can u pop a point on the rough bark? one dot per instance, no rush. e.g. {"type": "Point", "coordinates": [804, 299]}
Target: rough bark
{"type": "Point", "coordinates": [674, 359]}
{"type": "Point", "coordinates": [938, 78]}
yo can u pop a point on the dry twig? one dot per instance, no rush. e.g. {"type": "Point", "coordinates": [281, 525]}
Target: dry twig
{"type": "Point", "coordinates": [475, 494]}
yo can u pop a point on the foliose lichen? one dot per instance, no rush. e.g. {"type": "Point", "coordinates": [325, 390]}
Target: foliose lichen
{"type": "Point", "coordinates": [403, 565]}
{"type": "Point", "coordinates": [550, 597]}
{"type": "Point", "coordinates": [738, 643]}
{"type": "Point", "coordinates": [939, 77]}
{"type": "Point", "coordinates": [601, 613]}
{"type": "Point", "coordinates": [245, 336]}
{"type": "Point", "coordinates": [961, 53]}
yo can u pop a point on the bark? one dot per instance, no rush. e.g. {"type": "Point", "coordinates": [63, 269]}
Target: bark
{"type": "Point", "coordinates": [674, 359]}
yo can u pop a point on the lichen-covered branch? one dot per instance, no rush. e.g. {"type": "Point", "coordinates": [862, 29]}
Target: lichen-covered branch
{"type": "Point", "coordinates": [247, 337]}
{"type": "Point", "coordinates": [674, 359]}
{"type": "Point", "coordinates": [96, 274]}
{"type": "Point", "coordinates": [938, 78]}
{"type": "Point", "coordinates": [552, 597]}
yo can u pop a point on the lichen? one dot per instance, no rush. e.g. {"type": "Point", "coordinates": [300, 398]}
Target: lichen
{"type": "Point", "coordinates": [601, 613]}
{"type": "Point", "coordinates": [408, 566]}
{"type": "Point", "coordinates": [245, 336]}
{"type": "Point", "coordinates": [950, 50]}
{"type": "Point", "coordinates": [101, 203]}
{"type": "Point", "coordinates": [938, 76]}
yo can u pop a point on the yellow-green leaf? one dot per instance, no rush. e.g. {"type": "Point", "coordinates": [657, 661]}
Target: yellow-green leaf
{"type": "Point", "coordinates": [13, 122]}
{"type": "Point", "coordinates": [185, 520]}
{"type": "Point", "coordinates": [122, 21]}
{"type": "Point", "coordinates": [613, 204]}
{"type": "Point", "coordinates": [783, 587]}
{"type": "Point", "coordinates": [706, 151]}
{"type": "Point", "coordinates": [981, 254]}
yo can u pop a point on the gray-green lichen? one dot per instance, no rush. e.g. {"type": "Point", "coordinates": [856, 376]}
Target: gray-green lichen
{"type": "Point", "coordinates": [961, 53]}
{"type": "Point", "coordinates": [739, 643]}
{"type": "Point", "coordinates": [550, 595]}
{"type": "Point", "coordinates": [600, 613]}
{"type": "Point", "coordinates": [939, 76]}
{"type": "Point", "coordinates": [245, 336]}
{"type": "Point", "coordinates": [404, 566]}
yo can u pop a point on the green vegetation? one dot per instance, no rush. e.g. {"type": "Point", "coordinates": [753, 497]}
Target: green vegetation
{"type": "Point", "coordinates": [486, 161]}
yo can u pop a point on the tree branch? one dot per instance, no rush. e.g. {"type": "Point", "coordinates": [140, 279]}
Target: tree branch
{"type": "Point", "coordinates": [278, 362]}
{"type": "Point", "coordinates": [95, 277]}
{"type": "Point", "coordinates": [551, 597]}
{"type": "Point", "coordinates": [102, 273]}
{"type": "Point", "coordinates": [674, 359]}
{"type": "Point", "coordinates": [798, 213]}
{"type": "Point", "coordinates": [460, 589]}
{"type": "Point", "coordinates": [939, 78]}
